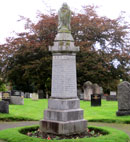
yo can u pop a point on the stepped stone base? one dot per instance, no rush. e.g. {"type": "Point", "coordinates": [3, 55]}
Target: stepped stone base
{"type": "Point", "coordinates": [63, 115]}
{"type": "Point", "coordinates": [66, 128]}
{"type": "Point", "coordinates": [123, 113]}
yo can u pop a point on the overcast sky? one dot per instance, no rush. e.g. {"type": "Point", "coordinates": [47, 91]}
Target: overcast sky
{"type": "Point", "coordinates": [10, 10]}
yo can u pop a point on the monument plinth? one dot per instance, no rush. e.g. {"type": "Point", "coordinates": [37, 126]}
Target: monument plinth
{"type": "Point", "coordinates": [63, 115]}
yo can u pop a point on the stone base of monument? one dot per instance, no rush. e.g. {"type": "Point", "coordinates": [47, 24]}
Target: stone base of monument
{"type": "Point", "coordinates": [63, 128]}
{"type": "Point", "coordinates": [123, 112]}
{"type": "Point", "coordinates": [63, 117]}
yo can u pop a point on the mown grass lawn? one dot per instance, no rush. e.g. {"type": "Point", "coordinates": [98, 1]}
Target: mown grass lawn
{"type": "Point", "coordinates": [14, 135]}
{"type": "Point", "coordinates": [33, 110]}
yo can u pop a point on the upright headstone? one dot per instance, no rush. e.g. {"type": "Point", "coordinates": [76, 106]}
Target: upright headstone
{"type": "Point", "coordinates": [34, 96]}
{"type": "Point", "coordinates": [4, 107]}
{"type": "Point", "coordinates": [95, 100]}
{"type": "Point", "coordinates": [96, 96]}
{"type": "Point", "coordinates": [112, 96]}
{"type": "Point", "coordinates": [63, 115]}
{"type": "Point", "coordinates": [31, 95]}
{"type": "Point", "coordinates": [26, 95]}
{"type": "Point", "coordinates": [96, 89]}
{"type": "Point", "coordinates": [40, 94]}
{"type": "Point", "coordinates": [123, 97]}
{"type": "Point", "coordinates": [16, 98]}
{"type": "Point", "coordinates": [88, 90]}
{"type": "Point", "coordinates": [80, 94]}
{"type": "Point", "coordinates": [22, 94]}
{"type": "Point", "coordinates": [6, 96]}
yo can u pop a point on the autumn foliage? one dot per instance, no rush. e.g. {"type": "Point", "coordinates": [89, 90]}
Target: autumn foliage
{"type": "Point", "coordinates": [104, 57]}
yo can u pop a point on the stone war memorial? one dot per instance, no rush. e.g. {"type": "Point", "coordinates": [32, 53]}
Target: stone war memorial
{"type": "Point", "coordinates": [63, 115]}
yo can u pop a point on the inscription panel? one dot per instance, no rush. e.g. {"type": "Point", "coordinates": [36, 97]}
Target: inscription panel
{"type": "Point", "coordinates": [64, 83]}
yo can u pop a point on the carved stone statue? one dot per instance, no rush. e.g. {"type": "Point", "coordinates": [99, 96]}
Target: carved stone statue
{"type": "Point", "coordinates": [64, 18]}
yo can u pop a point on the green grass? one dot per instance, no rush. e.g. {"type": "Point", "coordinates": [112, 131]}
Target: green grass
{"type": "Point", "coordinates": [14, 135]}
{"type": "Point", "coordinates": [33, 110]}
{"type": "Point", "coordinates": [105, 113]}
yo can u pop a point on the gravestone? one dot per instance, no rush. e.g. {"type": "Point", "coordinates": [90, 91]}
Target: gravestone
{"type": "Point", "coordinates": [26, 95]}
{"type": "Point", "coordinates": [31, 95]}
{"type": "Point", "coordinates": [101, 91]}
{"type": "Point", "coordinates": [22, 94]}
{"type": "Point", "coordinates": [88, 90]}
{"type": "Point", "coordinates": [17, 98]}
{"type": "Point", "coordinates": [63, 116]}
{"type": "Point", "coordinates": [17, 93]}
{"type": "Point", "coordinates": [34, 96]}
{"type": "Point", "coordinates": [123, 97]}
{"type": "Point", "coordinates": [95, 100]}
{"type": "Point", "coordinates": [4, 107]}
{"type": "Point", "coordinates": [96, 89]}
{"type": "Point", "coordinates": [96, 96]}
{"type": "Point", "coordinates": [40, 94]}
{"type": "Point", "coordinates": [112, 96]}
{"type": "Point", "coordinates": [80, 94]}
{"type": "Point", "coordinates": [6, 96]}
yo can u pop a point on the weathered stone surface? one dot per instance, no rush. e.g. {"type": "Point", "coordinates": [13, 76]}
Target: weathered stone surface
{"type": "Point", "coordinates": [6, 96]}
{"type": "Point", "coordinates": [66, 128]}
{"type": "Point", "coordinates": [101, 91]}
{"type": "Point", "coordinates": [4, 107]}
{"type": "Point", "coordinates": [63, 104]}
{"type": "Point", "coordinates": [111, 98]}
{"type": "Point", "coordinates": [64, 42]}
{"type": "Point", "coordinates": [17, 100]}
{"type": "Point", "coordinates": [63, 115]}
{"type": "Point", "coordinates": [123, 113]}
{"type": "Point", "coordinates": [64, 18]}
{"type": "Point", "coordinates": [26, 95]}
{"type": "Point", "coordinates": [64, 37]}
{"type": "Point", "coordinates": [34, 96]}
{"type": "Point", "coordinates": [96, 89]}
{"type": "Point", "coordinates": [40, 94]}
{"type": "Point", "coordinates": [123, 96]}
{"type": "Point", "coordinates": [95, 100]}
{"type": "Point", "coordinates": [64, 83]}
{"type": "Point", "coordinates": [88, 90]}
{"type": "Point", "coordinates": [113, 93]}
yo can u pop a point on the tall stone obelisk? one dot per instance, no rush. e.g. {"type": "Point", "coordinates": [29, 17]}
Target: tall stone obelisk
{"type": "Point", "coordinates": [63, 115]}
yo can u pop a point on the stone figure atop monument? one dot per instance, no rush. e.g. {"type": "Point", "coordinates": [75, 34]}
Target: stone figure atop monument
{"type": "Point", "coordinates": [64, 18]}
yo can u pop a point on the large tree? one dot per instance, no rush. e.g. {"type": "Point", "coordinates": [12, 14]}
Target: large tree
{"type": "Point", "coordinates": [104, 57]}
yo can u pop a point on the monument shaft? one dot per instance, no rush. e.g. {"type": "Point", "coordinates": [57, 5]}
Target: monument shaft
{"type": "Point", "coordinates": [64, 83]}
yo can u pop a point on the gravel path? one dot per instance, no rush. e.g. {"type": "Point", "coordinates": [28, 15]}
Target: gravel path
{"type": "Point", "coordinates": [123, 127]}
{"type": "Point", "coordinates": [5, 125]}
